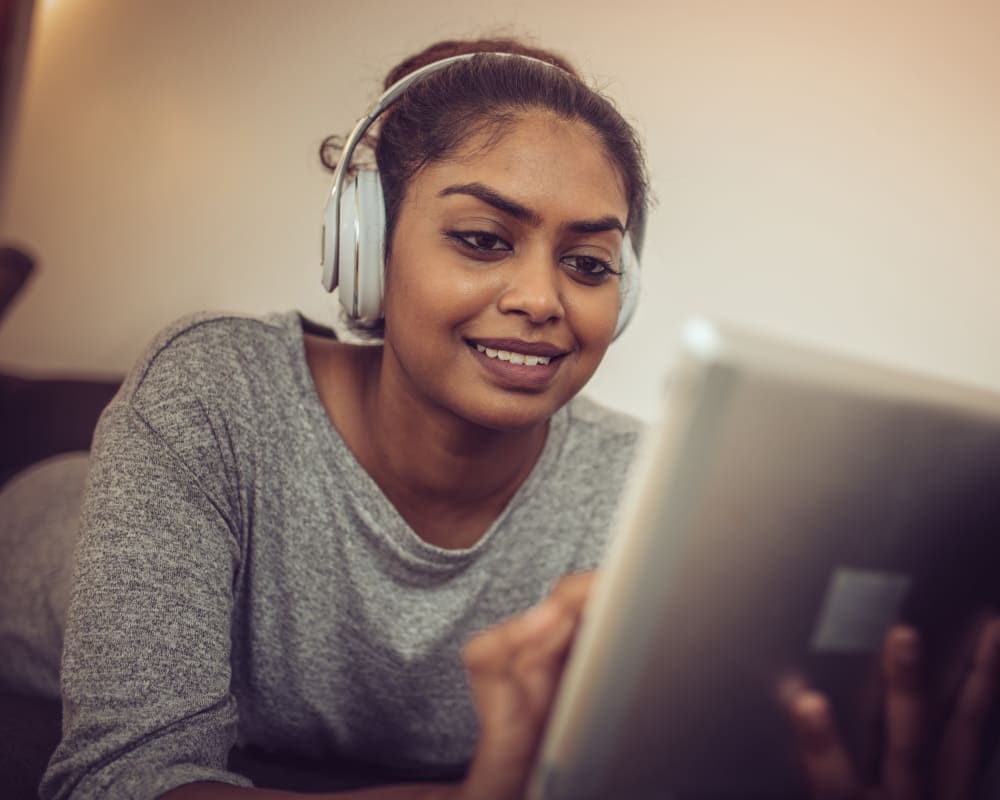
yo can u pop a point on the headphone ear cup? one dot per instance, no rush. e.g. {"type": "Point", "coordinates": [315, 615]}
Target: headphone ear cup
{"type": "Point", "coordinates": [629, 285]}
{"type": "Point", "coordinates": [331, 244]}
{"type": "Point", "coordinates": [361, 246]}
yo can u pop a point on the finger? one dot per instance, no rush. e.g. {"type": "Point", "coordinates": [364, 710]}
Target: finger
{"type": "Point", "coordinates": [513, 670]}
{"type": "Point", "coordinates": [826, 764]}
{"type": "Point", "coordinates": [491, 657]}
{"type": "Point", "coordinates": [556, 619]}
{"type": "Point", "coordinates": [538, 632]}
{"type": "Point", "coordinates": [540, 640]}
{"type": "Point", "coordinates": [516, 664]}
{"type": "Point", "coordinates": [509, 724]}
{"type": "Point", "coordinates": [537, 666]}
{"type": "Point", "coordinates": [573, 590]}
{"type": "Point", "coordinates": [905, 716]}
{"type": "Point", "coordinates": [962, 744]}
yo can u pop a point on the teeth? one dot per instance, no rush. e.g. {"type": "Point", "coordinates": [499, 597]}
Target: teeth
{"type": "Point", "coordinates": [513, 358]}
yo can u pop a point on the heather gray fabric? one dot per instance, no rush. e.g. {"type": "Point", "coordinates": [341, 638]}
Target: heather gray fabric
{"type": "Point", "coordinates": [39, 514]}
{"type": "Point", "coordinates": [240, 578]}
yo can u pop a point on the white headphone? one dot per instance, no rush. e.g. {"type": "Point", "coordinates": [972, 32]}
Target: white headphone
{"type": "Point", "coordinates": [353, 254]}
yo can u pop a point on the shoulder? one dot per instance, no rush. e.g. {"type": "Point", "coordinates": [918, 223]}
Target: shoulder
{"type": "Point", "coordinates": [602, 420]}
{"type": "Point", "coordinates": [602, 432]}
{"type": "Point", "coordinates": [213, 373]}
{"type": "Point", "coordinates": [577, 491]}
{"type": "Point", "coordinates": [599, 446]}
{"type": "Point", "coordinates": [217, 356]}
{"type": "Point", "coordinates": [210, 389]}
{"type": "Point", "coordinates": [207, 345]}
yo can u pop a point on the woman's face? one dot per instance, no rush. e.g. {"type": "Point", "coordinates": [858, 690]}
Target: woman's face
{"type": "Point", "coordinates": [499, 300]}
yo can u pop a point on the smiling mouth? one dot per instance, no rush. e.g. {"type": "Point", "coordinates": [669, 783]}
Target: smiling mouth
{"type": "Point", "coordinates": [513, 357]}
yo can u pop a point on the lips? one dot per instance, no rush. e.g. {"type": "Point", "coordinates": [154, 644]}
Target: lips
{"type": "Point", "coordinates": [544, 349]}
{"type": "Point", "coordinates": [513, 357]}
{"type": "Point", "coordinates": [517, 364]}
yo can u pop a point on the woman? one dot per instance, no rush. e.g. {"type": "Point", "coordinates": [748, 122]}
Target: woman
{"type": "Point", "coordinates": [300, 534]}
{"type": "Point", "coordinates": [288, 541]}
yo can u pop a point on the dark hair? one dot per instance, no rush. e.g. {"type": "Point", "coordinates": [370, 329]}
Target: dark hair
{"type": "Point", "coordinates": [486, 94]}
{"type": "Point", "coordinates": [459, 47]}
{"type": "Point", "coordinates": [331, 145]}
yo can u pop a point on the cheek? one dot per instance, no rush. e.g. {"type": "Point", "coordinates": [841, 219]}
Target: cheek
{"type": "Point", "coordinates": [407, 290]}
{"type": "Point", "coordinates": [420, 304]}
{"type": "Point", "coordinates": [595, 317]}
{"type": "Point", "coordinates": [433, 291]}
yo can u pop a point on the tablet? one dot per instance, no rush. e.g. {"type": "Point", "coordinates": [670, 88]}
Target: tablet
{"type": "Point", "coordinates": [789, 507]}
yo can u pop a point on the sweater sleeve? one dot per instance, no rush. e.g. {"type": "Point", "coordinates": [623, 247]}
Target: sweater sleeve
{"type": "Point", "coordinates": [146, 663]}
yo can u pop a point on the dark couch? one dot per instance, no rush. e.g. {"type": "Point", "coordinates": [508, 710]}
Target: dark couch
{"type": "Point", "coordinates": [42, 417]}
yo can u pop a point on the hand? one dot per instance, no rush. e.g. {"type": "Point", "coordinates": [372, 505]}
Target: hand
{"type": "Point", "coordinates": [908, 770]}
{"type": "Point", "coordinates": [514, 669]}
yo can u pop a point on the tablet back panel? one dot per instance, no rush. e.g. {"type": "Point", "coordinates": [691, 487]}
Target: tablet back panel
{"type": "Point", "coordinates": [790, 507]}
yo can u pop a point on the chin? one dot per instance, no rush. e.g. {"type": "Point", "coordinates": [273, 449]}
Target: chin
{"type": "Point", "coordinates": [516, 413]}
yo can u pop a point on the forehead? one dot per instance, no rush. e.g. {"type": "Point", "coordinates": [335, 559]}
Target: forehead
{"type": "Point", "coordinates": [541, 160]}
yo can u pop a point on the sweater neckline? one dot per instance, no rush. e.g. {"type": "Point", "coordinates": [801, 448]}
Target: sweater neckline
{"type": "Point", "coordinates": [396, 533]}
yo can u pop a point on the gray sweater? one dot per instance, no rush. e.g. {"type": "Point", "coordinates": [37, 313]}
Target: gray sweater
{"type": "Point", "coordinates": [240, 579]}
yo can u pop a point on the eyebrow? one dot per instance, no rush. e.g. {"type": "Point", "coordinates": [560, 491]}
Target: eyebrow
{"type": "Point", "coordinates": [513, 208]}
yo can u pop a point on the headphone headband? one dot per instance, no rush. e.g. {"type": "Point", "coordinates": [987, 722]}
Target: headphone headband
{"type": "Point", "coordinates": [331, 259]}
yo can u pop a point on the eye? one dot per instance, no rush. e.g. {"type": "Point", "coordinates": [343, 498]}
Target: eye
{"type": "Point", "coordinates": [479, 241]}
{"type": "Point", "coordinates": [589, 269]}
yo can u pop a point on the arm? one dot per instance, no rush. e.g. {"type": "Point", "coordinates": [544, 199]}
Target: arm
{"type": "Point", "coordinates": [146, 661]}
{"type": "Point", "coordinates": [221, 791]}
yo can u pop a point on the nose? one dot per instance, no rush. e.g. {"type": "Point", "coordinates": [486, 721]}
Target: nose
{"type": "Point", "coordinates": [533, 289]}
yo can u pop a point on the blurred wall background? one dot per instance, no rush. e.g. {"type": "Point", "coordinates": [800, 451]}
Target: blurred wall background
{"type": "Point", "coordinates": [828, 171]}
